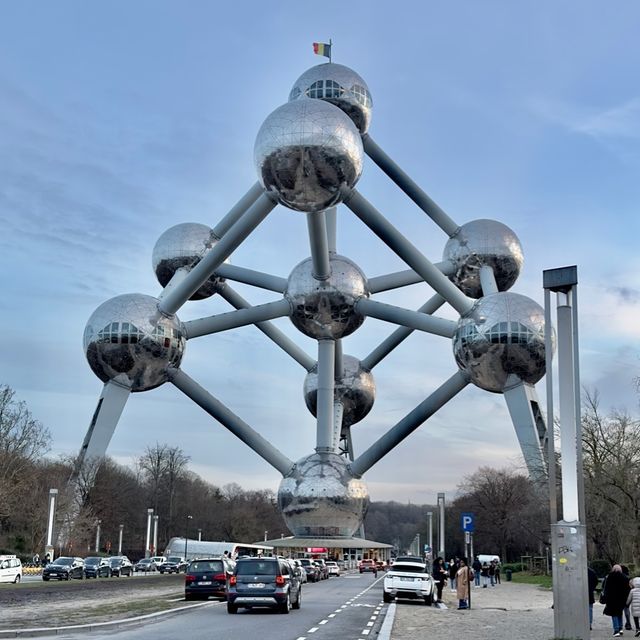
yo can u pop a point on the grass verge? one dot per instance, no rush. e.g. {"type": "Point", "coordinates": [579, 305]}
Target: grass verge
{"type": "Point", "coordinates": [528, 578]}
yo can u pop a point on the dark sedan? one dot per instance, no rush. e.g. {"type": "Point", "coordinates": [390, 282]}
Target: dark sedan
{"type": "Point", "coordinates": [96, 567]}
{"type": "Point", "coordinates": [121, 566]}
{"type": "Point", "coordinates": [64, 568]}
{"type": "Point", "coordinates": [174, 564]}
{"type": "Point", "coordinates": [207, 577]}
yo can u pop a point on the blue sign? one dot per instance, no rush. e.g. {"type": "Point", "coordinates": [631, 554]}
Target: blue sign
{"type": "Point", "coordinates": [466, 520]}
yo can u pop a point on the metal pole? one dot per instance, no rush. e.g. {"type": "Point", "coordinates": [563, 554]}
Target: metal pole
{"type": "Point", "coordinates": [325, 436]}
{"type": "Point", "coordinates": [186, 535]}
{"type": "Point", "coordinates": [430, 531]}
{"type": "Point", "coordinates": [317, 228]}
{"type": "Point", "coordinates": [441, 542]}
{"type": "Point", "coordinates": [199, 536]}
{"type": "Point", "coordinates": [155, 535]}
{"type": "Point", "coordinates": [98, 535]}
{"type": "Point", "coordinates": [551, 436]}
{"type": "Point", "coordinates": [53, 493]}
{"type": "Point", "coordinates": [148, 540]}
{"type": "Point", "coordinates": [121, 529]}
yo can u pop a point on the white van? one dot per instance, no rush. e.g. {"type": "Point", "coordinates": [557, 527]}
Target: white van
{"type": "Point", "coordinates": [10, 569]}
{"type": "Point", "coordinates": [488, 558]}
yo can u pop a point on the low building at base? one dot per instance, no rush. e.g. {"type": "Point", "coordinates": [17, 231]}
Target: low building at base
{"type": "Point", "coordinates": [350, 550]}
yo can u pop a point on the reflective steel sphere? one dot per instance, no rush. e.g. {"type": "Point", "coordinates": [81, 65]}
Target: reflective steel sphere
{"type": "Point", "coordinates": [305, 152]}
{"type": "Point", "coordinates": [128, 337]}
{"type": "Point", "coordinates": [484, 243]}
{"type": "Point", "coordinates": [183, 246]}
{"type": "Point", "coordinates": [355, 389]}
{"type": "Point", "coordinates": [502, 334]}
{"type": "Point", "coordinates": [320, 497]}
{"type": "Point", "coordinates": [338, 85]}
{"type": "Point", "coordinates": [326, 308]}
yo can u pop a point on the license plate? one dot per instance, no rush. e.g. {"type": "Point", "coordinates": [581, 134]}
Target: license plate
{"type": "Point", "coordinates": [205, 583]}
{"type": "Point", "coordinates": [256, 585]}
{"type": "Point", "coordinates": [406, 579]}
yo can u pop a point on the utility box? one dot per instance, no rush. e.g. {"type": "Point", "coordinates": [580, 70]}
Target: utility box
{"type": "Point", "coordinates": [570, 586]}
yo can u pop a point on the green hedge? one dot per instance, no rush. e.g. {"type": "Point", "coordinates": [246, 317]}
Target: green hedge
{"type": "Point", "coordinates": [514, 566]}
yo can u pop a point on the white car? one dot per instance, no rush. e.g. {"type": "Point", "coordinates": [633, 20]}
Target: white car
{"type": "Point", "coordinates": [333, 569]}
{"type": "Point", "coordinates": [10, 569]}
{"type": "Point", "coordinates": [408, 579]}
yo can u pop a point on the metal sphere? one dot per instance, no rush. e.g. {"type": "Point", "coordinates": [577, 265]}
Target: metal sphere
{"type": "Point", "coordinates": [484, 243]}
{"type": "Point", "coordinates": [321, 497]}
{"type": "Point", "coordinates": [355, 389]}
{"type": "Point", "coordinates": [501, 336]}
{"type": "Point", "coordinates": [128, 338]}
{"type": "Point", "coordinates": [305, 152]}
{"type": "Point", "coordinates": [183, 246]}
{"type": "Point", "coordinates": [338, 85]}
{"type": "Point", "coordinates": [326, 308]}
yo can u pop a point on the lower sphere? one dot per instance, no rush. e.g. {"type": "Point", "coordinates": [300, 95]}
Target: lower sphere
{"type": "Point", "coordinates": [320, 497]}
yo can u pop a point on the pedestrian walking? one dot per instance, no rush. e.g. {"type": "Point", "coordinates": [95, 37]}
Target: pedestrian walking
{"type": "Point", "coordinates": [476, 566]}
{"type": "Point", "coordinates": [36, 559]}
{"type": "Point", "coordinates": [497, 572]}
{"type": "Point", "coordinates": [463, 584]}
{"type": "Point", "coordinates": [633, 602]}
{"type": "Point", "coordinates": [492, 573]}
{"type": "Point", "coordinates": [453, 569]}
{"type": "Point", "coordinates": [616, 592]}
{"type": "Point", "coordinates": [592, 582]}
{"type": "Point", "coordinates": [484, 572]}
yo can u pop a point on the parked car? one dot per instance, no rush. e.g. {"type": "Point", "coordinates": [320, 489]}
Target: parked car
{"type": "Point", "coordinates": [145, 564]}
{"type": "Point", "coordinates": [96, 567]}
{"type": "Point", "coordinates": [333, 569]}
{"type": "Point", "coordinates": [312, 569]}
{"type": "Point", "coordinates": [324, 572]}
{"type": "Point", "coordinates": [157, 561]}
{"type": "Point", "coordinates": [174, 564]}
{"type": "Point", "coordinates": [368, 565]}
{"type": "Point", "coordinates": [10, 569]}
{"type": "Point", "coordinates": [264, 582]}
{"type": "Point", "coordinates": [208, 577]}
{"type": "Point", "coordinates": [64, 568]}
{"type": "Point", "coordinates": [121, 566]}
{"type": "Point", "coordinates": [301, 571]}
{"type": "Point", "coordinates": [408, 579]}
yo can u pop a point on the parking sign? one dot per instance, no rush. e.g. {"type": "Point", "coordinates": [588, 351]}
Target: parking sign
{"type": "Point", "coordinates": [466, 520]}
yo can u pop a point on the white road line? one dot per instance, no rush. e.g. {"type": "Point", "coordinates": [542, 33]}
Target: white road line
{"type": "Point", "coordinates": [323, 622]}
{"type": "Point", "coordinates": [331, 615]}
{"type": "Point", "coordinates": [313, 629]}
{"type": "Point", "coordinates": [365, 632]}
{"type": "Point", "coordinates": [369, 624]}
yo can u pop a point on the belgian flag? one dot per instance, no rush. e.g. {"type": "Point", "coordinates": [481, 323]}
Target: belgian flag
{"type": "Point", "coordinates": [322, 49]}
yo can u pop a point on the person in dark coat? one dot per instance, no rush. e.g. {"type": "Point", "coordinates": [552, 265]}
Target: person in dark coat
{"type": "Point", "coordinates": [440, 575]}
{"type": "Point", "coordinates": [592, 581]}
{"type": "Point", "coordinates": [616, 592]}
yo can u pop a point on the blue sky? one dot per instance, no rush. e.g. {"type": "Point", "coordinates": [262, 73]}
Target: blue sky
{"type": "Point", "coordinates": [119, 120]}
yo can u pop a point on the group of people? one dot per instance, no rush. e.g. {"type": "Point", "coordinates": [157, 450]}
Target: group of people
{"type": "Point", "coordinates": [460, 575]}
{"type": "Point", "coordinates": [620, 596]}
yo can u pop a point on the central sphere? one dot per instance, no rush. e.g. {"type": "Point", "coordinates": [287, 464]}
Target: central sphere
{"type": "Point", "coordinates": [355, 389]}
{"type": "Point", "coordinates": [338, 85]}
{"type": "Point", "coordinates": [324, 309]}
{"type": "Point", "coordinates": [129, 339]}
{"type": "Point", "coordinates": [307, 151]}
{"type": "Point", "coordinates": [320, 497]}
{"type": "Point", "coordinates": [183, 246]}
{"type": "Point", "coordinates": [480, 243]}
{"type": "Point", "coordinates": [501, 336]}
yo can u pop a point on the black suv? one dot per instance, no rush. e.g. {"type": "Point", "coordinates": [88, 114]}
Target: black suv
{"type": "Point", "coordinates": [64, 568]}
{"type": "Point", "coordinates": [207, 577]}
{"type": "Point", "coordinates": [264, 582]}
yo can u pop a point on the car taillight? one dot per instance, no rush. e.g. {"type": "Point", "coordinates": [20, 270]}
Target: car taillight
{"type": "Point", "coordinates": [220, 577]}
{"type": "Point", "coordinates": [189, 578]}
{"type": "Point", "coordinates": [232, 581]}
{"type": "Point", "coordinates": [280, 580]}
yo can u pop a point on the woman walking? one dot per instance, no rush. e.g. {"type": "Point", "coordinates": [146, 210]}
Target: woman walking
{"type": "Point", "coordinates": [616, 592]}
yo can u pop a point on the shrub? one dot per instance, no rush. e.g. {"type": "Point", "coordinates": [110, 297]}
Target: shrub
{"type": "Point", "coordinates": [601, 567]}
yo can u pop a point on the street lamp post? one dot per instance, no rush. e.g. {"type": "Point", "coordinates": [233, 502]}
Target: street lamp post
{"type": "Point", "coordinates": [121, 527]}
{"type": "Point", "coordinates": [186, 534]}
{"type": "Point", "coordinates": [98, 536]}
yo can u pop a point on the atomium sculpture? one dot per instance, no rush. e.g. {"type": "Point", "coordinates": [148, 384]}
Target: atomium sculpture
{"type": "Point", "coordinates": [309, 155]}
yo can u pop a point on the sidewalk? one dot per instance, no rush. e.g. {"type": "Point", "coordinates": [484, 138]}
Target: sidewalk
{"type": "Point", "coordinates": [506, 612]}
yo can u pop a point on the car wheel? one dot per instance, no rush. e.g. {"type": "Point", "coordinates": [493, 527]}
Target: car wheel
{"type": "Point", "coordinates": [45, 578]}
{"type": "Point", "coordinates": [232, 608]}
{"type": "Point", "coordinates": [386, 597]}
{"type": "Point", "coordinates": [17, 580]}
{"type": "Point", "coordinates": [285, 607]}
{"type": "Point", "coordinates": [298, 602]}
{"type": "Point", "coordinates": [428, 600]}
{"type": "Point", "coordinates": [68, 576]}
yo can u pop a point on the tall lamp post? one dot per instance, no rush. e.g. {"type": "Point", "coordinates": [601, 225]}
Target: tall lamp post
{"type": "Point", "coordinates": [186, 534]}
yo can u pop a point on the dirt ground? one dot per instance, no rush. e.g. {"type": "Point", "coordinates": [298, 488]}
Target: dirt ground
{"type": "Point", "coordinates": [50, 604]}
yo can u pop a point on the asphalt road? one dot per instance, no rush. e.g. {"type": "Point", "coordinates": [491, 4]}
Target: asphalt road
{"type": "Point", "coordinates": [345, 608]}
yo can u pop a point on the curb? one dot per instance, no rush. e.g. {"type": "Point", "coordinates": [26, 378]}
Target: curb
{"type": "Point", "coordinates": [387, 625]}
{"type": "Point", "coordinates": [98, 626]}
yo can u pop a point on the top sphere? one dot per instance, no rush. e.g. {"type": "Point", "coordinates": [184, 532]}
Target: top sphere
{"type": "Point", "coordinates": [305, 152]}
{"type": "Point", "coordinates": [183, 246]}
{"type": "Point", "coordinates": [128, 338]}
{"type": "Point", "coordinates": [338, 85]}
{"type": "Point", "coordinates": [482, 243]}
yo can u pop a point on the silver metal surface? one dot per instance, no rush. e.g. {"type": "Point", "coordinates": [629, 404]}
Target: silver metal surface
{"type": "Point", "coordinates": [326, 308]}
{"type": "Point", "coordinates": [481, 243]}
{"type": "Point", "coordinates": [355, 389]}
{"type": "Point", "coordinates": [128, 338]}
{"type": "Point", "coordinates": [340, 86]}
{"type": "Point", "coordinates": [305, 152]}
{"type": "Point", "coordinates": [320, 497]}
{"type": "Point", "coordinates": [503, 334]}
{"type": "Point", "coordinates": [183, 246]}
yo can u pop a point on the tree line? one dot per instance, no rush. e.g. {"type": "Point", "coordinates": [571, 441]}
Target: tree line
{"type": "Point", "coordinates": [511, 512]}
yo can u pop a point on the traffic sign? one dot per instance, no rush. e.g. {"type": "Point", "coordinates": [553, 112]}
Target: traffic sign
{"type": "Point", "coordinates": [466, 520]}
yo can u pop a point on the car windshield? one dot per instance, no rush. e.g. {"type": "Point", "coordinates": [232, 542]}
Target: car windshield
{"type": "Point", "coordinates": [114, 562]}
{"type": "Point", "coordinates": [409, 568]}
{"type": "Point", "coordinates": [91, 561]}
{"type": "Point", "coordinates": [145, 561]}
{"type": "Point", "coordinates": [174, 559]}
{"type": "Point", "coordinates": [206, 565]}
{"type": "Point", "coordinates": [63, 561]}
{"type": "Point", "coordinates": [256, 568]}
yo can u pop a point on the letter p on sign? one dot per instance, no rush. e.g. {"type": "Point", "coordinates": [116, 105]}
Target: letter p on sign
{"type": "Point", "coordinates": [466, 520]}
